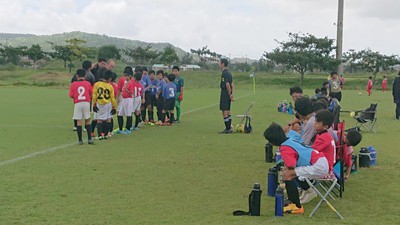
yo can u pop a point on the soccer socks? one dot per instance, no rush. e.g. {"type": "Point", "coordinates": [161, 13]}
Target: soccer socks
{"type": "Point", "coordinates": [178, 113]}
{"type": "Point", "coordinates": [171, 119]}
{"type": "Point", "coordinates": [75, 123]}
{"type": "Point", "coordinates": [121, 122]}
{"type": "Point", "coordinates": [100, 131]}
{"type": "Point", "coordinates": [229, 122]}
{"type": "Point", "coordinates": [108, 128]}
{"type": "Point", "coordinates": [128, 122]}
{"type": "Point", "coordinates": [151, 115]}
{"type": "Point", "coordinates": [137, 120]}
{"type": "Point", "coordinates": [143, 113]}
{"type": "Point", "coordinates": [94, 123]}
{"type": "Point", "coordinates": [88, 128]}
{"type": "Point", "coordinates": [293, 192]}
{"type": "Point", "coordinates": [111, 126]}
{"type": "Point", "coordinates": [226, 122]}
{"type": "Point", "coordinates": [79, 131]}
{"type": "Point", "coordinates": [163, 117]}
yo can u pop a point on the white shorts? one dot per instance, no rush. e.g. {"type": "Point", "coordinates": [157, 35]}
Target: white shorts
{"type": "Point", "coordinates": [104, 112]}
{"type": "Point", "coordinates": [137, 102]}
{"type": "Point", "coordinates": [81, 111]}
{"type": "Point", "coordinates": [319, 169]}
{"type": "Point", "coordinates": [126, 108]}
{"type": "Point", "coordinates": [119, 103]}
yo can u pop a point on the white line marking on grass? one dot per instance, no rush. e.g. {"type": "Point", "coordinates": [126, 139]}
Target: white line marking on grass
{"type": "Point", "coordinates": [32, 125]}
{"type": "Point", "coordinates": [53, 149]}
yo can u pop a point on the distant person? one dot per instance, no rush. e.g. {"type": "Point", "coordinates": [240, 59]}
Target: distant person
{"type": "Point", "coordinates": [101, 64]}
{"type": "Point", "coordinates": [125, 104]}
{"type": "Point", "coordinates": [87, 66]}
{"type": "Point", "coordinates": [169, 94]}
{"type": "Point", "coordinates": [334, 85]}
{"type": "Point", "coordinates": [179, 82]}
{"type": "Point", "coordinates": [146, 83]}
{"type": "Point", "coordinates": [396, 94]}
{"type": "Point", "coordinates": [369, 86]}
{"type": "Point", "coordinates": [384, 84]}
{"type": "Point", "coordinates": [81, 91]}
{"type": "Point", "coordinates": [151, 100]}
{"type": "Point", "coordinates": [138, 97]}
{"type": "Point", "coordinates": [226, 96]}
{"type": "Point", "coordinates": [160, 99]}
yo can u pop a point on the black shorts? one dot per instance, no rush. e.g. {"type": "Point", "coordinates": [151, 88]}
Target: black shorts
{"type": "Point", "coordinates": [224, 101]}
{"type": "Point", "coordinates": [151, 100]}
{"type": "Point", "coordinates": [147, 98]}
{"type": "Point", "coordinates": [160, 103]}
{"type": "Point", "coordinates": [169, 104]}
{"type": "Point", "coordinates": [337, 95]}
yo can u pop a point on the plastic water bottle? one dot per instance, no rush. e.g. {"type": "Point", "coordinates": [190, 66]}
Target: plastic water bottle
{"type": "Point", "coordinates": [272, 181]}
{"type": "Point", "coordinates": [279, 197]}
{"type": "Point", "coordinates": [268, 153]}
{"type": "Point", "coordinates": [353, 164]}
{"type": "Point", "coordinates": [290, 109]}
{"type": "Point", "coordinates": [255, 200]}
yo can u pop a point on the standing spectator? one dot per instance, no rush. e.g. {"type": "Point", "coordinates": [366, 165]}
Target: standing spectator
{"type": "Point", "coordinates": [226, 96]}
{"type": "Point", "coordinates": [101, 64]}
{"type": "Point", "coordinates": [334, 89]}
{"type": "Point", "coordinates": [384, 84]}
{"type": "Point", "coordinates": [396, 95]}
{"type": "Point", "coordinates": [369, 86]}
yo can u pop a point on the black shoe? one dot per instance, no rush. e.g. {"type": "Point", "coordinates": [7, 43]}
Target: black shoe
{"type": "Point", "coordinates": [226, 132]}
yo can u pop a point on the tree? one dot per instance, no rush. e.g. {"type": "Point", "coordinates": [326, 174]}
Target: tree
{"type": "Point", "coordinates": [12, 54]}
{"type": "Point", "coordinates": [142, 55]}
{"type": "Point", "coordinates": [374, 62]}
{"type": "Point", "coordinates": [169, 56]}
{"type": "Point", "coordinates": [304, 52]}
{"type": "Point", "coordinates": [61, 52]}
{"type": "Point", "coordinates": [35, 53]}
{"type": "Point", "coordinates": [187, 59]}
{"type": "Point", "coordinates": [72, 50]}
{"type": "Point", "coordinates": [206, 56]}
{"type": "Point", "coordinates": [109, 52]}
{"type": "Point", "coordinates": [78, 51]}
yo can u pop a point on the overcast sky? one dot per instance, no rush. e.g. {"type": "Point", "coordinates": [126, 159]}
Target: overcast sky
{"type": "Point", "coordinates": [233, 28]}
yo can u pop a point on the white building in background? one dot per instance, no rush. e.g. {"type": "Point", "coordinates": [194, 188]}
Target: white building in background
{"type": "Point", "coordinates": [189, 67]}
{"type": "Point", "coordinates": [163, 67]}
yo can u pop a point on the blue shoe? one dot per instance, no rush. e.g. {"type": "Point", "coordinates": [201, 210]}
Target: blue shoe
{"type": "Point", "coordinates": [134, 128]}
{"type": "Point", "coordinates": [126, 132]}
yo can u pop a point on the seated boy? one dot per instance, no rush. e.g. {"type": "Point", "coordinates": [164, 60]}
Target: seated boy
{"type": "Point", "coordinates": [351, 138]}
{"type": "Point", "coordinates": [300, 161]}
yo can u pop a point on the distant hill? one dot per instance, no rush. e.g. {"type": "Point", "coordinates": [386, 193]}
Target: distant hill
{"type": "Point", "coordinates": [93, 40]}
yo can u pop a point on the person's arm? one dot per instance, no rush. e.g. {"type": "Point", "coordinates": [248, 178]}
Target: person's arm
{"type": "Point", "coordinates": [229, 88]}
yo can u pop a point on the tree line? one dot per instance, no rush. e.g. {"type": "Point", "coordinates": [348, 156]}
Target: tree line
{"type": "Point", "coordinates": [301, 53]}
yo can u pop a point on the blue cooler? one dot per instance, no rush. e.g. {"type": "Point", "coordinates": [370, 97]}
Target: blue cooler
{"type": "Point", "coordinates": [373, 155]}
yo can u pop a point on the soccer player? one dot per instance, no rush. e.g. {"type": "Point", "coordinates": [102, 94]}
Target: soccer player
{"type": "Point", "coordinates": [126, 103]}
{"type": "Point", "coordinates": [226, 96]}
{"type": "Point", "coordinates": [179, 82]}
{"type": "Point", "coordinates": [369, 86]}
{"type": "Point", "coordinates": [159, 97]}
{"type": "Point", "coordinates": [335, 85]}
{"type": "Point", "coordinates": [104, 104]}
{"type": "Point", "coordinates": [384, 84]}
{"type": "Point", "coordinates": [138, 98]}
{"type": "Point", "coordinates": [145, 81]}
{"type": "Point", "coordinates": [151, 100]}
{"type": "Point", "coordinates": [169, 93]}
{"type": "Point", "coordinates": [81, 91]}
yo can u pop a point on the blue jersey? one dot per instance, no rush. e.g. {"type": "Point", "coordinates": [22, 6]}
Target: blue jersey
{"type": "Point", "coordinates": [153, 87]}
{"type": "Point", "coordinates": [145, 81]}
{"type": "Point", "coordinates": [303, 151]}
{"type": "Point", "coordinates": [169, 90]}
{"type": "Point", "coordinates": [160, 85]}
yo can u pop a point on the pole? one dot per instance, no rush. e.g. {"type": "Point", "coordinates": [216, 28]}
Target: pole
{"type": "Point", "coordinates": [339, 38]}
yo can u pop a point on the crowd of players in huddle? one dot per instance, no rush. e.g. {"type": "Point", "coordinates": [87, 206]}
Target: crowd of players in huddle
{"type": "Point", "coordinates": [137, 91]}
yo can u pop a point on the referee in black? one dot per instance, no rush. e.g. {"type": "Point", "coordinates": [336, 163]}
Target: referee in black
{"type": "Point", "coordinates": [226, 96]}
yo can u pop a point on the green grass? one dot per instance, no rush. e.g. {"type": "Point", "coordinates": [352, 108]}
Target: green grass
{"type": "Point", "coordinates": [183, 174]}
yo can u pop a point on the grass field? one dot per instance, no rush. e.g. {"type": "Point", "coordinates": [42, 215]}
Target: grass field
{"type": "Point", "coordinates": [183, 174]}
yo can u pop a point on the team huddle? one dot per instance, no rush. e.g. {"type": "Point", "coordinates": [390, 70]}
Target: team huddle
{"type": "Point", "coordinates": [136, 92]}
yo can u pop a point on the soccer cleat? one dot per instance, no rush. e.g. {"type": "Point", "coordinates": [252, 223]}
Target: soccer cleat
{"type": "Point", "coordinates": [309, 195]}
{"type": "Point", "coordinates": [166, 124]}
{"type": "Point", "coordinates": [90, 142]}
{"type": "Point", "coordinates": [117, 131]}
{"type": "Point", "coordinates": [226, 132]}
{"type": "Point", "coordinates": [158, 123]}
{"type": "Point", "coordinates": [126, 132]}
{"type": "Point", "coordinates": [293, 209]}
{"type": "Point", "coordinates": [84, 130]}
{"type": "Point", "coordinates": [74, 129]}
{"type": "Point", "coordinates": [140, 124]}
{"type": "Point", "coordinates": [134, 128]}
{"type": "Point", "coordinates": [109, 134]}
{"type": "Point", "coordinates": [80, 142]}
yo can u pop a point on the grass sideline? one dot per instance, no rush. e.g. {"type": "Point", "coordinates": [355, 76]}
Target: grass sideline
{"type": "Point", "coordinates": [199, 177]}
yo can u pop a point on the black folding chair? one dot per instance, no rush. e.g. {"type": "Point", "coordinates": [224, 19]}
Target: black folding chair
{"type": "Point", "coordinates": [366, 119]}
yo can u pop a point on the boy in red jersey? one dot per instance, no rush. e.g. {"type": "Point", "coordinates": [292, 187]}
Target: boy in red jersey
{"type": "Point", "coordinates": [81, 91]}
{"type": "Point", "coordinates": [369, 86]}
{"type": "Point", "coordinates": [104, 104]}
{"type": "Point", "coordinates": [126, 103]}
{"type": "Point", "coordinates": [138, 98]}
{"type": "Point", "coordinates": [384, 84]}
{"type": "Point", "coordinates": [301, 162]}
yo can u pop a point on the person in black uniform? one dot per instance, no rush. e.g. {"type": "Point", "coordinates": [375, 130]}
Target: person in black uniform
{"type": "Point", "coordinates": [226, 96]}
{"type": "Point", "coordinates": [396, 95]}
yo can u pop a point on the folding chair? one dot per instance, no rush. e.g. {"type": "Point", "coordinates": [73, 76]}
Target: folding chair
{"type": "Point", "coordinates": [325, 194]}
{"type": "Point", "coordinates": [366, 118]}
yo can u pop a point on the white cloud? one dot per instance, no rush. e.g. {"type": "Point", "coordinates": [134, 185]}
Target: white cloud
{"type": "Point", "coordinates": [234, 27]}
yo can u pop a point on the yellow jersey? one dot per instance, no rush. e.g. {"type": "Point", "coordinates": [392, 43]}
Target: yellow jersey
{"type": "Point", "coordinates": [103, 93]}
